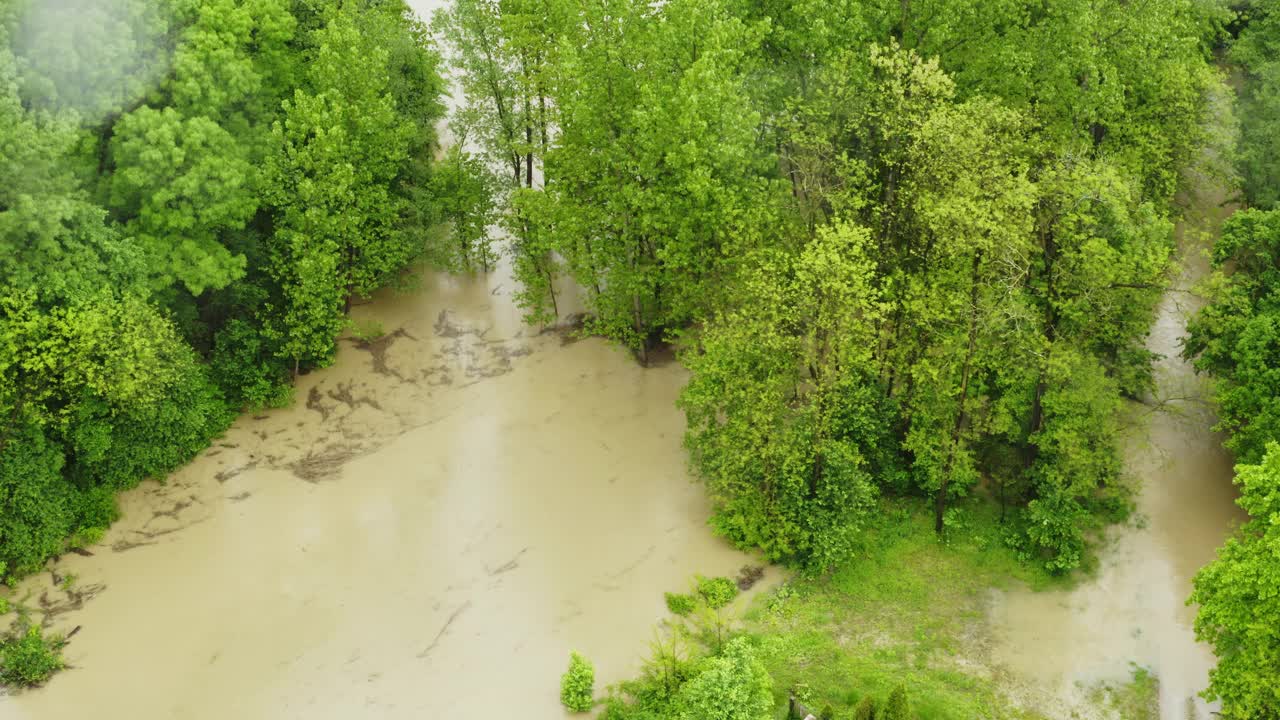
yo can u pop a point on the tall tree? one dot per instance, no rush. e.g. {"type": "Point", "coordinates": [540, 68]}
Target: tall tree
{"type": "Point", "coordinates": [1236, 337]}
{"type": "Point", "coordinates": [784, 416]}
{"type": "Point", "coordinates": [341, 144]}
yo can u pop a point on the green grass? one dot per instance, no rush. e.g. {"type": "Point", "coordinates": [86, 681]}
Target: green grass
{"type": "Point", "coordinates": [909, 609]}
{"type": "Point", "coordinates": [1138, 699]}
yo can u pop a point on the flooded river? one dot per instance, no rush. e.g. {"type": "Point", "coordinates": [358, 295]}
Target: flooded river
{"type": "Point", "coordinates": [446, 512]}
{"type": "Point", "coordinates": [1133, 612]}
{"type": "Point", "coordinates": [427, 532]}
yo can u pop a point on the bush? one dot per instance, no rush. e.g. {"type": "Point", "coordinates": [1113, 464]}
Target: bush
{"type": "Point", "coordinates": [577, 685]}
{"type": "Point", "coordinates": [244, 366]}
{"type": "Point", "coordinates": [28, 658]}
{"type": "Point", "coordinates": [732, 686]}
{"type": "Point", "coordinates": [366, 331]}
{"type": "Point", "coordinates": [717, 592]}
{"type": "Point", "coordinates": [897, 707]}
{"type": "Point", "coordinates": [680, 603]}
{"type": "Point", "coordinates": [866, 709]}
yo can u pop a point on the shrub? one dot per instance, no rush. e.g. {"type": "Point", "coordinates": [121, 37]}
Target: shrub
{"type": "Point", "coordinates": [366, 331]}
{"type": "Point", "coordinates": [680, 603]}
{"type": "Point", "coordinates": [577, 685]}
{"type": "Point", "coordinates": [28, 658]}
{"type": "Point", "coordinates": [717, 592]}
{"type": "Point", "coordinates": [866, 709]}
{"type": "Point", "coordinates": [897, 707]}
{"type": "Point", "coordinates": [732, 686]}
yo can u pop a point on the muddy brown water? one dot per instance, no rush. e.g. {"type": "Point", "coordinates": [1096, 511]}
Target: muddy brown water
{"type": "Point", "coordinates": [443, 514]}
{"type": "Point", "coordinates": [427, 532]}
{"type": "Point", "coordinates": [1133, 613]}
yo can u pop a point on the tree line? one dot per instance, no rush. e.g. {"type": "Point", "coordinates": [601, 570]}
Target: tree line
{"type": "Point", "coordinates": [904, 247]}
{"type": "Point", "coordinates": [1235, 338]}
{"type": "Point", "coordinates": [191, 194]}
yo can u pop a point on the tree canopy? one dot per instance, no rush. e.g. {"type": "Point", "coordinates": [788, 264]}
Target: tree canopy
{"type": "Point", "coordinates": [905, 247]}
{"type": "Point", "coordinates": [1240, 601]}
{"type": "Point", "coordinates": [191, 192]}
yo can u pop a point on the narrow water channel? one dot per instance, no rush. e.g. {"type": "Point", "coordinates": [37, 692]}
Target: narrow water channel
{"type": "Point", "coordinates": [1133, 613]}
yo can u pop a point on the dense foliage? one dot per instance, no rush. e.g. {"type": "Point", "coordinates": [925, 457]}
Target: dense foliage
{"type": "Point", "coordinates": [1236, 339]}
{"type": "Point", "coordinates": [577, 685]}
{"type": "Point", "coordinates": [729, 684]}
{"type": "Point", "coordinates": [1239, 597]}
{"type": "Point", "coordinates": [28, 656]}
{"type": "Point", "coordinates": [908, 247]}
{"type": "Point", "coordinates": [191, 192]}
{"type": "Point", "coordinates": [1257, 53]}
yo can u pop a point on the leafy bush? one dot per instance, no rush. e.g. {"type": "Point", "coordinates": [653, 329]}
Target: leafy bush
{"type": "Point", "coordinates": [717, 592]}
{"type": "Point", "coordinates": [28, 658]}
{"type": "Point", "coordinates": [244, 366]}
{"type": "Point", "coordinates": [680, 603]}
{"type": "Point", "coordinates": [866, 709]}
{"type": "Point", "coordinates": [366, 331]}
{"type": "Point", "coordinates": [897, 708]}
{"type": "Point", "coordinates": [734, 686]}
{"type": "Point", "coordinates": [577, 685]}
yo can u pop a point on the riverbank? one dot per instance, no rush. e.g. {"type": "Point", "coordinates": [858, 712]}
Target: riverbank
{"type": "Point", "coordinates": [912, 612]}
{"type": "Point", "coordinates": [909, 610]}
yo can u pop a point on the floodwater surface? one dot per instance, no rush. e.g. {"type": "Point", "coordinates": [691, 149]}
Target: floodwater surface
{"type": "Point", "coordinates": [427, 532]}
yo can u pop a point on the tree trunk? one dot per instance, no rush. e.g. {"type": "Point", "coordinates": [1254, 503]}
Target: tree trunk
{"type": "Point", "coordinates": [940, 503]}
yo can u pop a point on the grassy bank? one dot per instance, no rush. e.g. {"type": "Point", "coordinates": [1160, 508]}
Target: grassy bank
{"type": "Point", "coordinates": [908, 610]}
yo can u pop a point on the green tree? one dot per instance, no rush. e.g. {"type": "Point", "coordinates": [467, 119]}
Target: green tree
{"type": "Point", "coordinates": [577, 685]}
{"type": "Point", "coordinates": [1236, 337]}
{"type": "Point", "coordinates": [53, 238]}
{"type": "Point", "coordinates": [897, 707]}
{"type": "Point", "coordinates": [465, 190]}
{"type": "Point", "coordinates": [1239, 604]}
{"type": "Point", "coordinates": [98, 59]}
{"type": "Point", "coordinates": [787, 374]}
{"type": "Point", "coordinates": [341, 144]}
{"type": "Point", "coordinates": [732, 686]}
{"type": "Point", "coordinates": [1258, 52]}
{"type": "Point", "coordinates": [28, 657]}
{"type": "Point", "coordinates": [181, 183]}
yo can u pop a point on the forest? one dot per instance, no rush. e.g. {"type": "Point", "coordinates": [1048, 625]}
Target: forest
{"type": "Point", "coordinates": [889, 266]}
{"type": "Point", "coordinates": [908, 250]}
